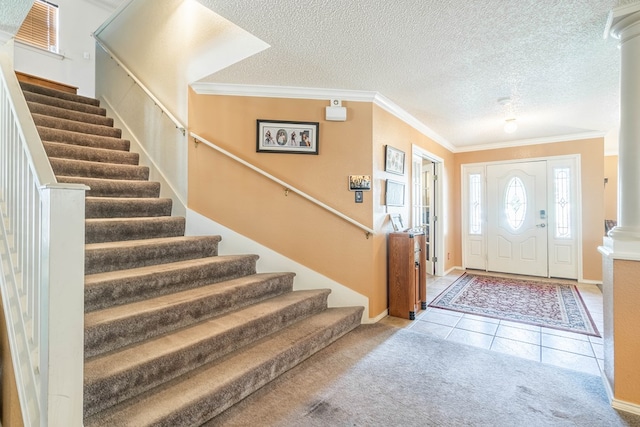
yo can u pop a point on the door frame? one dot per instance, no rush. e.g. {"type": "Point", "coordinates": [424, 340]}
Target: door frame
{"type": "Point", "coordinates": [481, 167]}
{"type": "Point", "coordinates": [439, 201]}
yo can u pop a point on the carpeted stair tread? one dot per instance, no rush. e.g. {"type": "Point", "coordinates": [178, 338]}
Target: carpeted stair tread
{"type": "Point", "coordinates": [74, 126]}
{"type": "Point", "coordinates": [87, 169]}
{"type": "Point", "coordinates": [120, 207]}
{"type": "Point", "coordinates": [115, 187]}
{"type": "Point", "coordinates": [208, 391]}
{"type": "Point", "coordinates": [65, 113]}
{"type": "Point", "coordinates": [112, 256]}
{"type": "Point", "coordinates": [84, 139]}
{"type": "Point", "coordinates": [62, 103]}
{"type": "Point", "coordinates": [54, 93]}
{"type": "Point", "coordinates": [166, 322]}
{"type": "Point", "coordinates": [103, 290]}
{"type": "Point", "coordinates": [117, 376]}
{"type": "Point", "coordinates": [99, 230]}
{"type": "Point", "coordinates": [78, 152]}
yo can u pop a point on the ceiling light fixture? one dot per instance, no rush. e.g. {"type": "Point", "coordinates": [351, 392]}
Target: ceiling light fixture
{"type": "Point", "coordinates": [510, 124]}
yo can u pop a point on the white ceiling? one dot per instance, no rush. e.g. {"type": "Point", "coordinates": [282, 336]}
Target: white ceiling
{"type": "Point", "coordinates": [446, 62]}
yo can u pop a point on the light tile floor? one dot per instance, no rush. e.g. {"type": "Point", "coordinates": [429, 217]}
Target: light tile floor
{"type": "Point", "coordinates": [565, 349]}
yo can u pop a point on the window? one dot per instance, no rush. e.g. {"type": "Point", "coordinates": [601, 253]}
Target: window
{"type": "Point", "coordinates": [562, 190]}
{"type": "Point", "coordinates": [515, 203]}
{"type": "Point", "coordinates": [40, 27]}
{"type": "Point", "coordinates": [475, 204]}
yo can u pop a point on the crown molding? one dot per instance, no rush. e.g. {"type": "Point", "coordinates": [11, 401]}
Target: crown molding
{"type": "Point", "coordinates": [209, 88]}
{"type": "Point", "coordinates": [532, 141]}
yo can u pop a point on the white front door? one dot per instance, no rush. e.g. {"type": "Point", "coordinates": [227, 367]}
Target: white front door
{"type": "Point", "coordinates": [517, 218]}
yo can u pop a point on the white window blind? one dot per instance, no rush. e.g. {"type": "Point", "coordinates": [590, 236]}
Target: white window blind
{"type": "Point", "coordinates": [40, 27]}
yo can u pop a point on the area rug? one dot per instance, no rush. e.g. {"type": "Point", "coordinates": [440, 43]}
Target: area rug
{"type": "Point", "coordinates": [551, 305]}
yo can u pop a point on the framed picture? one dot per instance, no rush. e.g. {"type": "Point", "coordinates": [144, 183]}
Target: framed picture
{"type": "Point", "coordinates": [393, 160]}
{"type": "Point", "coordinates": [396, 222]}
{"type": "Point", "coordinates": [277, 136]}
{"type": "Point", "coordinates": [359, 182]}
{"type": "Point", "coordinates": [394, 193]}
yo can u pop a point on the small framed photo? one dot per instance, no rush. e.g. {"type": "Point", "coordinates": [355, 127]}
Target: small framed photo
{"type": "Point", "coordinates": [396, 222]}
{"type": "Point", "coordinates": [359, 182]}
{"type": "Point", "coordinates": [393, 160]}
{"type": "Point", "coordinates": [394, 195]}
{"type": "Point", "coordinates": [278, 136]}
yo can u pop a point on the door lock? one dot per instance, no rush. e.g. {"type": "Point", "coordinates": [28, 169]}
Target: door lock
{"type": "Point", "coordinates": [541, 225]}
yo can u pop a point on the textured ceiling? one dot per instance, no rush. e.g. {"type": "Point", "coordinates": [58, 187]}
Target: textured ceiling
{"type": "Point", "coordinates": [446, 62]}
{"type": "Point", "coordinates": [12, 13]}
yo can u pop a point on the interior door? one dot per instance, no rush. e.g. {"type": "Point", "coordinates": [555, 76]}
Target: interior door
{"type": "Point", "coordinates": [517, 218]}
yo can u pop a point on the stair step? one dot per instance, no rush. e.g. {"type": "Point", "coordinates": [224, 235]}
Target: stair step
{"type": "Point", "coordinates": [78, 152]}
{"type": "Point", "coordinates": [65, 113]}
{"type": "Point", "coordinates": [54, 93]}
{"type": "Point", "coordinates": [100, 230]}
{"type": "Point", "coordinates": [83, 168]}
{"type": "Point", "coordinates": [118, 207]}
{"type": "Point", "coordinates": [103, 290]}
{"type": "Point", "coordinates": [112, 256]}
{"type": "Point", "coordinates": [208, 391]}
{"type": "Point", "coordinates": [83, 139]}
{"type": "Point", "coordinates": [113, 328]}
{"type": "Point", "coordinates": [115, 187]}
{"type": "Point", "coordinates": [73, 126]}
{"type": "Point", "coordinates": [62, 103]}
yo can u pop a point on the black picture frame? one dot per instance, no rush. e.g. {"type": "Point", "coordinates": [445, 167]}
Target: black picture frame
{"type": "Point", "coordinates": [287, 137]}
{"type": "Point", "coordinates": [394, 160]}
{"type": "Point", "coordinates": [359, 182]}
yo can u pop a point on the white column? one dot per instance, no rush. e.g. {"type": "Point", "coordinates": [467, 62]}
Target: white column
{"type": "Point", "coordinates": [624, 24]}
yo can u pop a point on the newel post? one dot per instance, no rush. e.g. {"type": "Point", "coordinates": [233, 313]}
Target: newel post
{"type": "Point", "coordinates": [62, 304]}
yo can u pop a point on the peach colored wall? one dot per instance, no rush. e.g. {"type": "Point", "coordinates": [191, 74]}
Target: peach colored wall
{"type": "Point", "coordinates": [256, 207]}
{"type": "Point", "coordinates": [389, 130]}
{"type": "Point", "coordinates": [592, 166]}
{"type": "Point", "coordinates": [611, 188]}
{"type": "Point", "coordinates": [621, 340]}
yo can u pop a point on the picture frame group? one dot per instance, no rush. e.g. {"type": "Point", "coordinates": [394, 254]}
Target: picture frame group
{"type": "Point", "coordinates": [287, 137]}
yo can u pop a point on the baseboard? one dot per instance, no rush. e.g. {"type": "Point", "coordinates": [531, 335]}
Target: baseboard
{"type": "Point", "coordinates": [591, 282]}
{"type": "Point", "coordinates": [378, 318]}
{"type": "Point", "coordinates": [621, 405]}
{"type": "Point", "coordinates": [452, 269]}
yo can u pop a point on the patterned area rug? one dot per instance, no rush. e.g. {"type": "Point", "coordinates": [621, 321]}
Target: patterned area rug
{"type": "Point", "coordinates": [552, 305]}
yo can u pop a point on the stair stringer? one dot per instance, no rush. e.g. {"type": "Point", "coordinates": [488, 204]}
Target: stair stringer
{"type": "Point", "coordinates": [272, 261]}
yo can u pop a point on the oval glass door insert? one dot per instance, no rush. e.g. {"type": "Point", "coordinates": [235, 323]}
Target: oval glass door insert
{"type": "Point", "coordinates": [515, 203]}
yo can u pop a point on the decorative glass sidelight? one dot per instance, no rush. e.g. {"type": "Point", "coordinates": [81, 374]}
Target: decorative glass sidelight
{"type": "Point", "coordinates": [562, 197]}
{"type": "Point", "coordinates": [475, 204]}
{"type": "Point", "coordinates": [515, 203]}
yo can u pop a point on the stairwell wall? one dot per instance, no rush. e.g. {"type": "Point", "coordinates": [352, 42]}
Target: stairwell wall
{"type": "Point", "coordinates": [240, 199]}
{"type": "Point", "coordinates": [290, 225]}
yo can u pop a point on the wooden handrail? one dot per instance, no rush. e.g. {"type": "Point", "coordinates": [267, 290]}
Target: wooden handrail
{"type": "Point", "coordinates": [368, 231]}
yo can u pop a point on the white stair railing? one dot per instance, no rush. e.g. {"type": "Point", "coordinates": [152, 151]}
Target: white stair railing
{"type": "Point", "coordinates": [41, 266]}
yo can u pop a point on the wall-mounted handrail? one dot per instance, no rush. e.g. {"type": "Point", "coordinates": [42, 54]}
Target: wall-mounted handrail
{"type": "Point", "coordinates": [160, 105]}
{"type": "Point", "coordinates": [368, 231]}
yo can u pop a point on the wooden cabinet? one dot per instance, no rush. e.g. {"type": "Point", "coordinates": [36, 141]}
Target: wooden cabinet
{"type": "Point", "coordinates": [407, 278]}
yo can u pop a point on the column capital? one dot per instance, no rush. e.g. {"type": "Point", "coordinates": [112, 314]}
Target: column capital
{"type": "Point", "coordinates": [622, 18]}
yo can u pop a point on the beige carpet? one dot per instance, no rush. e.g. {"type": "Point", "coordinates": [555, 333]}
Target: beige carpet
{"type": "Point", "coordinates": [380, 375]}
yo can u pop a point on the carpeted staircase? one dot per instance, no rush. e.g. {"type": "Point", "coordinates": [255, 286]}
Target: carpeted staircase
{"type": "Point", "coordinates": [174, 334]}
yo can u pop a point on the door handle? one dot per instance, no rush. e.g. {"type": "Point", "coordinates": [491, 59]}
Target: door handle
{"type": "Point", "coordinates": [543, 225]}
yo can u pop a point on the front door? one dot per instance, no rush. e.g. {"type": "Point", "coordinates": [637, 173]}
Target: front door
{"type": "Point", "coordinates": [517, 218]}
